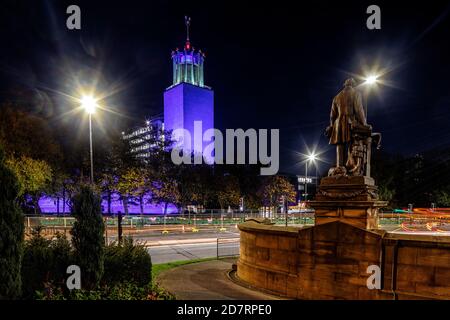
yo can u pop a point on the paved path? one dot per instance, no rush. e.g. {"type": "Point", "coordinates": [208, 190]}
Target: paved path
{"type": "Point", "coordinates": [206, 281]}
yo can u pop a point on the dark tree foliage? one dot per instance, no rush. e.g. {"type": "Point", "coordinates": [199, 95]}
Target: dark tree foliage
{"type": "Point", "coordinates": [11, 233]}
{"type": "Point", "coordinates": [419, 179]}
{"type": "Point", "coordinates": [27, 134]}
{"type": "Point", "coordinates": [87, 236]}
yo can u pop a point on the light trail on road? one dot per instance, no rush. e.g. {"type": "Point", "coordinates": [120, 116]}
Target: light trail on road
{"type": "Point", "coordinates": [177, 252]}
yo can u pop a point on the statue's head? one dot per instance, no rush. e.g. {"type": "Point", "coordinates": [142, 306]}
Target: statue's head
{"type": "Point", "coordinates": [350, 82]}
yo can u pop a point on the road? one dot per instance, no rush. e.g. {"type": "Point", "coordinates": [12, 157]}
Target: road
{"type": "Point", "coordinates": [152, 235]}
{"type": "Point", "coordinates": [187, 251]}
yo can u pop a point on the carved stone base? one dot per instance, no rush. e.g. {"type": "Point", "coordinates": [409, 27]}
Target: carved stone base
{"type": "Point", "coordinates": [353, 200]}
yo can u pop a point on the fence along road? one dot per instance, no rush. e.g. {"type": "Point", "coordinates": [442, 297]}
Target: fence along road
{"type": "Point", "coordinates": [191, 249]}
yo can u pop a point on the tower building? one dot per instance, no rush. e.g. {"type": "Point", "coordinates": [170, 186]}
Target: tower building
{"type": "Point", "coordinates": [188, 99]}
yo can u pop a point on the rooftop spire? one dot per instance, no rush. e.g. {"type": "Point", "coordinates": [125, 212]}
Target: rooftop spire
{"type": "Point", "coordinates": [188, 63]}
{"type": "Point", "coordinates": [187, 20]}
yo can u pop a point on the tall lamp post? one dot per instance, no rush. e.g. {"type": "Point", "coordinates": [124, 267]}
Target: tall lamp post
{"type": "Point", "coordinates": [369, 81]}
{"type": "Point", "coordinates": [90, 104]}
{"type": "Point", "coordinates": [311, 157]}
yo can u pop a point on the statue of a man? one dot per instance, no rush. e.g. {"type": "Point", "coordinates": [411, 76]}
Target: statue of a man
{"type": "Point", "coordinates": [347, 113]}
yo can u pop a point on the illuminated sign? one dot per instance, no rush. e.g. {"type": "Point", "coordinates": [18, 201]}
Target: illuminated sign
{"type": "Point", "coordinates": [305, 180]}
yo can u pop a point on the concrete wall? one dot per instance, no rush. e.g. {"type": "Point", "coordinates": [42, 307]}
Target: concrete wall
{"type": "Point", "coordinates": [330, 261]}
{"type": "Point", "coordinates": [417, 267]}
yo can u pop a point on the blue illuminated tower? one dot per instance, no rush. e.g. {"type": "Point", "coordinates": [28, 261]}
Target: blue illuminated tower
{"type": "Point", "coordinates": [188, 99]}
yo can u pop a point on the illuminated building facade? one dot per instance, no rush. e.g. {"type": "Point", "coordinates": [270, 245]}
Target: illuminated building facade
{"type": "Point", "coordinates": [141, 137]}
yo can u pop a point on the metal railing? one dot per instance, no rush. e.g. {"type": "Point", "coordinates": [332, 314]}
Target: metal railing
{"type": "Point", "coordinates": [227, 247]}
{"type": "Point", "coordinates": [181, 222]}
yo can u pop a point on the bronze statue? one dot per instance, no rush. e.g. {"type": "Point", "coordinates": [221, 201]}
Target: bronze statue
{"type": "Point", "coordinates": [349, 130]}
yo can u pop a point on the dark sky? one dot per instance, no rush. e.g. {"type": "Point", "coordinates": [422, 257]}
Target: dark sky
{"type": "Point", "coordinates": [271, 64]}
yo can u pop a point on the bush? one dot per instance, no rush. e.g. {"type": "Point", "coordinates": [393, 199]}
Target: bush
{"type": "Point", "coordinates": [87, 236]}
{"type": "Point", "coordinates": [11, 233]}
{"type": "Point", "coordinates": [127, 276]}
{"type": "Point", "coordinates": [62, 257]}
{"type": "Point", "coordinates": [127, 262]}
{"type": "Point", "coordinates": [121, 291]}
{"type": "Point", "coordinates": [45, 263]}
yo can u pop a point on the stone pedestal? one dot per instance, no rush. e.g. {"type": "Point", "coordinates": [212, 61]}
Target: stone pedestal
{"type": "Point", "coordinates": [350, 199]}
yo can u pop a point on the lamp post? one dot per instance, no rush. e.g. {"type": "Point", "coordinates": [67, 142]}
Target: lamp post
{"type": "Point", "coordinates": [306, 180]}
{"type": "Point", "coordinates": [369, 81]}
{"type": "Point", "coordinates": [311, 157]}
{"type": "Point", "coordinates": [89, 104]}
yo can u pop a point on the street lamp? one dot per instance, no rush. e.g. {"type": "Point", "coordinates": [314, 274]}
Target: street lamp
{"type": "Point", "coordinates": [89, 104]}
{"type": "Point", "coordinates": [311, 157]}
{"type": "Point", "coordinates": [370, 80]}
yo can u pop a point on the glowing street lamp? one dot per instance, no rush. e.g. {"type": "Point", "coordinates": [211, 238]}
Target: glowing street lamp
{"type": "Point", "coordinates": [372, 79]}
{"type": "Point", "coordinates": [89, 104]}
{"type": "Point", "coordinates": [312, 157]}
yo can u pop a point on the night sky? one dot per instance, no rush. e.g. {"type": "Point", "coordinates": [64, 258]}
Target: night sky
{"type": "Point", "coordinates": [271, 64]}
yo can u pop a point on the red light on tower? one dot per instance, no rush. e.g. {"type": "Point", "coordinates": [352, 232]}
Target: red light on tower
{"type": "Point", "coordinates": [187, 20]}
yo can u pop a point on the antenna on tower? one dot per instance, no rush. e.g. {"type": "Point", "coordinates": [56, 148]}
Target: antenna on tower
{"type": "Point", "coordinates": [187, 20]}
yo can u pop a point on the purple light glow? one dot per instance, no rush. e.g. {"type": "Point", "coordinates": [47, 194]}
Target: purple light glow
{"type": "Point", "coordinates": [49, 205]}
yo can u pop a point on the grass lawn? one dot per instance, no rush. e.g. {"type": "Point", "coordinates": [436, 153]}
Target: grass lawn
{"type": "Point", "coordinates": [158, 268]}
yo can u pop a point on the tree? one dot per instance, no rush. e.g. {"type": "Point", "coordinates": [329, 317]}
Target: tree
{"type": "Point", "coordinates": [11, 233]}
{"type": "Point", "coordinates": [165, 191]}
{"type": "Point", "coordinates": [386, 192]}
{"type": "Point", "coordinates": [132, 184]}
{"type": "Point", "coordinates": [192, 180]}
{"type": "Point", "coordinates": [205, 180]}
{"type": "Point", "coordinates": [26, 134]}
{"type": "Point", "coordinates": [87, 235]}
{"type": "Point", "coordinates": [34, 177]}
{"type": "Point", "coordinates": [140, 186]}
{"type": "Point", "coordinates": [59, 188]}
{"type": "Point", "coordinates": [117, 170]}
{"type": "Point", "coordinates": [442, 198]}
{"type": "Point", "coordinates": [227, 191]}
{"type": "Point", "coordinates": [108, 185]}
{"type": "Point", "coordinates": [273, 188]}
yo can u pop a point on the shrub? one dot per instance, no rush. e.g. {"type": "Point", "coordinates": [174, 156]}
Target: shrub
{"type": "Point", "coordinates": [35, 264]}
{"type": "Point", "coordinates": [87, 236]}
{"type": "Point", "coordinates": [120, 291]}
{"type": "Point", "coordinates": [62, 257]}
{"type": "Point", "coordinates": [127, 262]}
{"type": "Point", "coordinates": [45, 263]}
{"type": "Point", "coordinates": [11, 233]}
